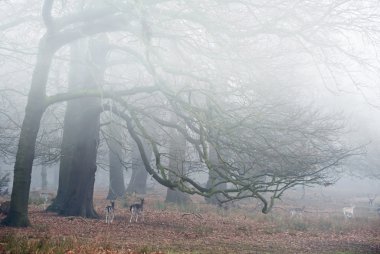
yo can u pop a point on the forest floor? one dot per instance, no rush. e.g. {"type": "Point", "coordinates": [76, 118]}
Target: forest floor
{"type": "Point", "coordinates": [196, 228]}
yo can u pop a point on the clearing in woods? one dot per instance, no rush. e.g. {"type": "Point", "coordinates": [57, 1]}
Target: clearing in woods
{"type": "Point", "coordinates": [196, 228]}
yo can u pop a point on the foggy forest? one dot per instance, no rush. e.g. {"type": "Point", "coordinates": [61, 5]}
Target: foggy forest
{"type": "Point", "coordinates": [198, 126]}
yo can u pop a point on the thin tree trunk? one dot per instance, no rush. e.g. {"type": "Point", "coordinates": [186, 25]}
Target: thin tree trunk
{"type": "Point", "coordinates": [18, 213]}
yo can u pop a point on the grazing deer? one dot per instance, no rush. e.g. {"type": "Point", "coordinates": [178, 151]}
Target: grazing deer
{"type": "Point", "coordinates": [297, 211]}
{"type": "Point", "coordinates": [46, 197]}
{"type": "Point", "coordinates": [110, 212]}
{"type": "Point", "coordinates": [371, 199]}
{"type": "Point", "coordinates": [136, 210]}
{"type": "Point", "coordinates": [348, 212]}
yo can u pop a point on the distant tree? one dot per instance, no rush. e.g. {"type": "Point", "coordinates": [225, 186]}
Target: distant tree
{"type": "Point", "coordinates": [177, 163]}
{"type": "Point", "coordinates": [44, 181]}
{"type": "Point", "coordinates": [139, 176]}
{"type": "Point", "coordinates": [116, 167]}
{"type": "Point", "coordinates": [214, 180]}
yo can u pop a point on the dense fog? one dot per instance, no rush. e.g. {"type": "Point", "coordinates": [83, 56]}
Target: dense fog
{"type": "Point", "coordinates": [222, 99]}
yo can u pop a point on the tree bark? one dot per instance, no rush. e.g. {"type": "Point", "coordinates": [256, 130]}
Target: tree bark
{"type": "Point", "coordinates": [18, 213]}
{"type": "Point", "coordinates": [78, 198]}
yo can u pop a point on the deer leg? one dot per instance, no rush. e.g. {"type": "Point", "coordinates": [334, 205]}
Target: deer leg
{"type": "Point", "coordinates": [130, 220]}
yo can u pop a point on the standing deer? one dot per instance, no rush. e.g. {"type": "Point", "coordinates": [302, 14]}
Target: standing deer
{"type": "Point", "coordinates": [136, 210]}
{"type": "Point", "coordinates": [110, 212]}
{"type": "Point", "coordinates": [348, 212]}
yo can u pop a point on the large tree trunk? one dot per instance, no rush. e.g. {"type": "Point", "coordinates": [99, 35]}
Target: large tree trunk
{"type": "Point", "coordinates": [81, 134]}
{"type": "Point", "coordinates": [18, 213]}
{"type": "Point", "coordinates": [177, 152]}
{"type": "Point", "coordinates": [116, 185]}
{"type": "Point", "coordinates": [78, 159]}
{"type": "Point", "coordinates": [139, 176]}
{"type": "Point", "coordinates": [78, 198]}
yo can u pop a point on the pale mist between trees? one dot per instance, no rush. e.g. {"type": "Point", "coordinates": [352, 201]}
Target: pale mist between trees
{"type": "Point", "coordinates": [229, 100]}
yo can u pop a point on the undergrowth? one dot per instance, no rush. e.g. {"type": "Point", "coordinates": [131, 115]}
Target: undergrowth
{"type": "Point", "coordinates": [23, 245]}
{"type": "Point", "coordinates": [15, 244]}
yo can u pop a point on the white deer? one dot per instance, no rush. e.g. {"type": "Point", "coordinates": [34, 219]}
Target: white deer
{"type": "Point", "coordinates": [110, 212]}
{"type": "Point", "coordinates": [46, 196]}
{"type": "Point", "coordinates": [348, 212]}
{"type": "Point", "coordinates": [297, 211]}
{"type": "Point", "coordinates": [136, 210]}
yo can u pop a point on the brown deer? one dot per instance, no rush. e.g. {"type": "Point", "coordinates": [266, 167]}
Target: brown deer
{"type": "Point", "coordinates": [110, 212]}
{"type": "Point", "coordinates": [136, 210]}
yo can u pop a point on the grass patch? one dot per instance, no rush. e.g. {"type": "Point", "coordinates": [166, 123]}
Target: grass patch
{"type": "Point", "coordinates": [69, 245]}
{"type": "Point", "coordinates": [327, 224]}
{"type": "Point", "coordinates": [145, 249]}
{"type": "Point", "coordinates": [38, 201]}
{"type": "Point", "coordinates": [160, 205]}
{"type": "Point", "coordinates": [41, 228]}
{"type": "Point", "coordinates": [203, 230]}
{"type": "Point", "coordinates": [24, 245]}
{"type": "Point", "coordinates": [124, 203]}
